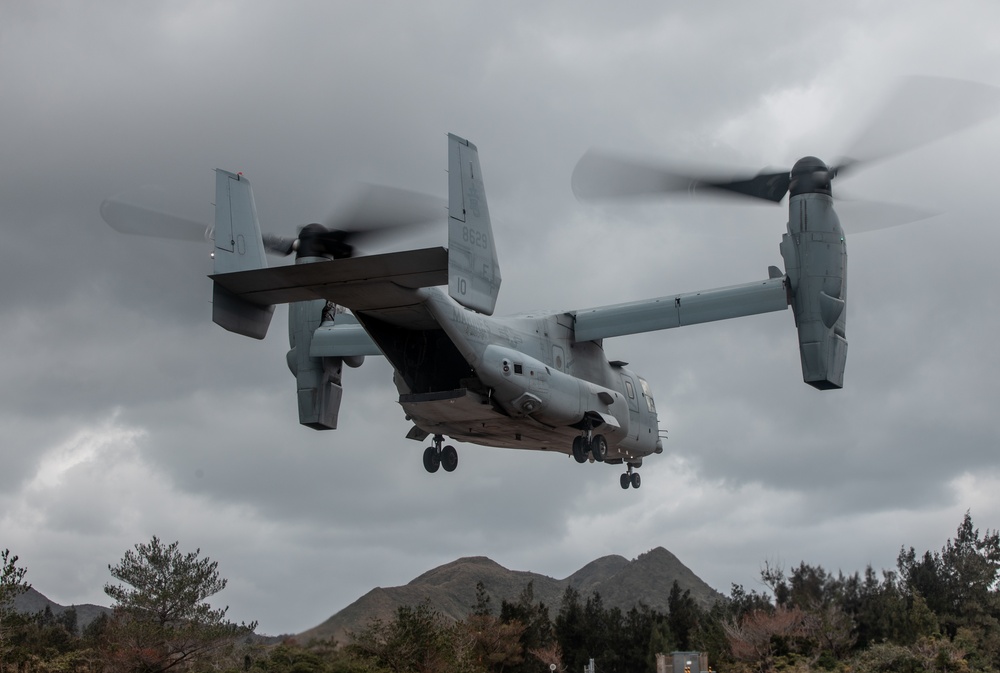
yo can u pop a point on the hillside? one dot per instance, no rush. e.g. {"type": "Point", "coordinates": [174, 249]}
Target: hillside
{"type": "Point", "coordinates": [31, 602]}
{"type": "Point", "coordinates": [451, 589]}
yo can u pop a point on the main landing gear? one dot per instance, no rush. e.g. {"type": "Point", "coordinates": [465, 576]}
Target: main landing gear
{"type": "Point", "coordinates": [437, 456]}
{"type": "Point", "coordinates": [596, 447]}
{"type": "Point", "coordinates": [630, 478]}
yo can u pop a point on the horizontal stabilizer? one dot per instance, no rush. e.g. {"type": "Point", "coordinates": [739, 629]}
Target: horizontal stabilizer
{"type": "Point", "coordinates": [358, 283]}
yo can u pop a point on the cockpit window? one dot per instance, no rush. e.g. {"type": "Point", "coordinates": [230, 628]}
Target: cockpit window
{"type": "Point", "coordinates": [648, 394]}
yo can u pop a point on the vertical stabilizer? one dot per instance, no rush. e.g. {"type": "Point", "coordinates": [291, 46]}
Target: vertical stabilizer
{"type": "Point", "coordinates": [238, 247]}
{"type": "Point", "coordinates": [473, 270]}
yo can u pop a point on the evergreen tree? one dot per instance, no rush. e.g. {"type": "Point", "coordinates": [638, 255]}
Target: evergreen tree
{"type": "Point", "coordinates": [924, 575]}
{"type": "Point", "coordinates": [682, 617]}
{"type": "Point", "coordinates": [161, 618]}
{"type": "Point", "coordinates": [537, 632]}
{"type": "Point", "coordinates": [482, 606]}
{"type": "Point", "coordinates": [643, 633]}
{"type": "Point", "coordinates": [417, 639]}
{"type": "Point", "coordinates": [969, 568]}
{"type": "Point", "coordinates": [68, 620]}
{"type": "Point", "coordinates": [12, 585]}
{"type": "Point", "coordinates": [602, 627]}
{"type": "Point", "coordinates": [661, 641]}
{"type": "Point", "coordinates": [570, 631]}
{"type": "Point", "coordinates": [95, 630]}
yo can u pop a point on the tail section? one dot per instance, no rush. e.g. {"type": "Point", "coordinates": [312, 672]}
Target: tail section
{"type": "Point", "coordinates": [238, 247]}
{"type": "Point", "coordinates": [473, 270]}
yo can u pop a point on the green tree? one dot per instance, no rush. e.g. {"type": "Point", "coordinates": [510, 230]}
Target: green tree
{"type": "Point", "coordinates": [969, 567]}
{"type": "Point", "coordinates": [603, 632]}
{"type": "Point", "coordinates": [94, 632]}
{"type": "Point", "coordinates": [417, 639]}
{"type": "Point", "coordinates": [288, 657]}
{"type": "Point", "coordinates": [12, 585]}
{"type": "Point", "coordinates": [536, 632]}
{"type": "Point", "coordinates": [492, 644]}
{"type": "Point", "coordinates": [68, 620]}
{"type": "Point", "coordinates": [482, 606]}
{"type": "Point", "coordinates": [643, 633]}
{"type": "Point", "coordinates": [924, 575]}
{"type": "Point", "coordinates": [683, 616]}
{"type": "Point", "coordinates": [161, 618]}
{"type": "Point", "coordinates": [661, 641]}
{"type": "Point", "coordinates": [571, 631]}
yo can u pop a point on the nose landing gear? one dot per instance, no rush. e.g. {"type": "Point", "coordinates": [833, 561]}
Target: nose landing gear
{"type": "Point", "coordinates": [630, 478]}
{"type": "Point", "coordinates": [437, 456]}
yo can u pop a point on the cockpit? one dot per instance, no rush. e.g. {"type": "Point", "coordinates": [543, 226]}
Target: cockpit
{"type": "Point", "coordinates": [647, 394]}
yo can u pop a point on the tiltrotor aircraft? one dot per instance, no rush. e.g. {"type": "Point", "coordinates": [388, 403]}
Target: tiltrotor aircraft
{"type": "Point", "coordinates": [540, 382]}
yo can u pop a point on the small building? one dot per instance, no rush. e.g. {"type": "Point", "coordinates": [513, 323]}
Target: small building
{"type": "Point", "coordinates": [682, 662]}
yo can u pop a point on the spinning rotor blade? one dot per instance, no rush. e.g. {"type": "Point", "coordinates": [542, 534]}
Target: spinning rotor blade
{"type": "Point", "coordinates": [373, 212]}
{"type": "Point", "coordinates": [376, 211]}
{"type": "Point", "coordinates": [860, 216]}
{"type": "Point", "coordinates": [128, 218]}
{"type": "Point", "coordinates": [919, 111]}
{"type": "Point", "coordinates": [598, 175]}
{"type": "Point", "coordinates": [278, 245]}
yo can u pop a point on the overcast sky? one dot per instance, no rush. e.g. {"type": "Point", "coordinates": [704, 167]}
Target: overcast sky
{"type": "Point", "coordinates": [126, 413]}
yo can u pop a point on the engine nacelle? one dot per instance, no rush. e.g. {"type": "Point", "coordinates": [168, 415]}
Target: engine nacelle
{"type": "Point", "coordinates": [526, 387]}
{"type": "Point", "coordinates": [318, 379]}
{"type": "Point", "coordinates": [815, 257]}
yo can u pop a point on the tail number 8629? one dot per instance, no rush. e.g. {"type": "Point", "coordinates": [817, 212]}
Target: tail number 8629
{"type": "Point", "coordinates": [475, 238]}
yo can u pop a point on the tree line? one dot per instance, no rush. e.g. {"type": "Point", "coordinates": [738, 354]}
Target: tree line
{"type": "Point", "coordinates": [936, 611]}
{"type": "Point", "coordinates": [160, 620]}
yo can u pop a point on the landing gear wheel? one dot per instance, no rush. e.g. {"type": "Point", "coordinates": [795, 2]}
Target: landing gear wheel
{"type": "Point", "coordinates": [580, 449]}
{"type": "Point", "coordinates": [449, 458]}
{"type": "Point", "coordinates": [626, 482]}
{"type": "Point", "coordinates": [432, 461]}
{"type": "Point", "coordinates": [636, 481]}
{"type": "Point", "coordinates": [599, 448]}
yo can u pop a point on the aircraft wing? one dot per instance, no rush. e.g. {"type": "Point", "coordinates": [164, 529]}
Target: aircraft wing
{"type": "Point", "coordinates": [380, 285]}
{"type": "Point", "coordinates": [681, 309]}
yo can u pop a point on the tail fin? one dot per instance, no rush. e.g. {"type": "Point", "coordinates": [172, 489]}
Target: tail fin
{"type": "Point", "coordinates": [473, 270]}
{"type": "Point", "coordinates": [238, 247]}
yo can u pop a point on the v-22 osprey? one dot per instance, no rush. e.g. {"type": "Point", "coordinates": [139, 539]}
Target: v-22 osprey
{"type": "Point", "coordinates": [539, 382]}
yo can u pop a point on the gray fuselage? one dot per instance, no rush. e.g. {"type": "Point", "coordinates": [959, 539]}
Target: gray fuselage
{"type": "Point", "coordinates": [515, 382]}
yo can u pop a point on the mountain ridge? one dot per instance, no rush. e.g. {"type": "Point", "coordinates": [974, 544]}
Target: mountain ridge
{"type": "Point", "coordinates": [32, 602]}
{"type": "Point", "coordinates": [450, 589]}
